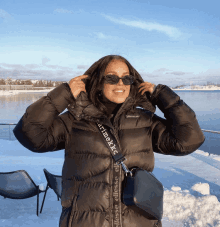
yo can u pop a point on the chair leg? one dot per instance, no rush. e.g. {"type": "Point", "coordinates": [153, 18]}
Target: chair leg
{"type": "Point", "coordinates": [37, 198]}
{"type": "Point", "coordinates": [44, 198]}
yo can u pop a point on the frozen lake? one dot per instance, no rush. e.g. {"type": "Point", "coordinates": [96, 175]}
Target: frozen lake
{"type": "Point", "coordinates": [206, 105]}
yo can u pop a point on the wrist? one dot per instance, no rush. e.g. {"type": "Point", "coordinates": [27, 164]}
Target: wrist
{"type": "Point", "coordinates": [154, 87]}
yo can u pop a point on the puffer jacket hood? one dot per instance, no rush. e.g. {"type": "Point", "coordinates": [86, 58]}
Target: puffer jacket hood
{"type": "Point", "coordinates": [88, 189]}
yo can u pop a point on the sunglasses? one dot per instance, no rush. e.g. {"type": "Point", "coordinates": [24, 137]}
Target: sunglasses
{"type": "Point", "coordinates": [113, 79]}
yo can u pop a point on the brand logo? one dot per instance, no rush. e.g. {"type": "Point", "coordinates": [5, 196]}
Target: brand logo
{"type": "Point", "coordinates": [132, 116]}
{"type": "Point", "coordinates": [110, 143]}
{"type": "Point", "coordinates": [116, 197]}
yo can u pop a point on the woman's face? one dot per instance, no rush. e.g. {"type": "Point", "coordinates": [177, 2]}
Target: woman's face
{"type": "Point", "coordinates": [119, 69]}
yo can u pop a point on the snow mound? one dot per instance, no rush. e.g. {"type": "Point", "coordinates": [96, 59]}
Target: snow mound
{"type": "Point", "coordinates": [202, 188]}
{"type": "Point", "coordinates": [194, 212]}
{"type": "Point", "coordinates": [202, 152]}
{"type": "Point", "coordinates": [217, 158]}
{"type": "Point", "coordinates": [43, 186]}
{"type": "Point", "coordinates": [176, 188]}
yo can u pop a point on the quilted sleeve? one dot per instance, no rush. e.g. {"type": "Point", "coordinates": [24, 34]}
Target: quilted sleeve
{"type": "Point", "coordinates": [179, 133]}
{"type": "Point", "coordinates": [41, 128]}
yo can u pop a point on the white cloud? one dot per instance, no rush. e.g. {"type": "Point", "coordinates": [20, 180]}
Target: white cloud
{"type": "Point", "coordinates": [177, 73]}
{"type": "Point", "coordinates": [34, 71]}
{"type": "Point", "coordinates": [45, 60]}
{"type": "Point", "coordinates": [32, 66]}
{"type": "Point", "coordinates": [60, 10]}
{"type": "Point", "coordinates": [212, 75]}
{"type": "Point", "coordinates": [100, 35]}
{"type": "Point", "coordinates": [82, 66]}
{"type": "Point", "coordinates": [161, 70]}
{"type": "Point", "coordinates": [151, 51]}
{"type": "Point", "coordinates": [63, 11]}
{"type": "Point", "coordinates": [149, 26]}
{"type": "Point", "coordinates": [4, 14]}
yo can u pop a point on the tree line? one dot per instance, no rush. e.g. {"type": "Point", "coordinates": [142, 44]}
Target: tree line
{"type": "Point", "coordinates": [38, 83]}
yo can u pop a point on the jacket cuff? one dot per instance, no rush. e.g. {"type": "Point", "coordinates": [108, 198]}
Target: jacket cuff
{"type": "Point", "coordinates": [61, 96]}
{"type": "Point", "coordinates": [164, 97]}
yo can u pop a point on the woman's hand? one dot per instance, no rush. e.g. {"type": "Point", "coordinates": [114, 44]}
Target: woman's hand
{"type": "Point", "coordinates": [76, 85]}
{"type": "Point", "coordinates": [146, 86]}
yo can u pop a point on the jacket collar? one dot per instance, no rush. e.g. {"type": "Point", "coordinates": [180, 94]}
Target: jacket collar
{"type": "Point", "coordinates": [85, 109]}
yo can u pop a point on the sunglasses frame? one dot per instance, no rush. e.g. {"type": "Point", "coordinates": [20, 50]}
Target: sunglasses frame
{"type": "Point", "coordinates": [118, 79]}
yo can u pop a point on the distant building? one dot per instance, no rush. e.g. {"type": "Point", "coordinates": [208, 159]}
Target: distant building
{"type": "Point", "coordinates": [16, 87]}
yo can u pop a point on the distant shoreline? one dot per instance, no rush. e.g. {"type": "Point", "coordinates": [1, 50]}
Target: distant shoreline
{"type": "Point", "coordinates": [14, 92]}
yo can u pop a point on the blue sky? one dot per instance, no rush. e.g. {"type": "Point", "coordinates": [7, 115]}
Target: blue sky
{"type": "Point", "coordinates": [167, 42]}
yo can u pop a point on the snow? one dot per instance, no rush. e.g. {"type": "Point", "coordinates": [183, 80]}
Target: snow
{"type": "Point", "coordinates": [15, 92]}
{"type": "Point", "coordinates": [199, 87]}
{"type": "Point", "coordinates": [191, 187]}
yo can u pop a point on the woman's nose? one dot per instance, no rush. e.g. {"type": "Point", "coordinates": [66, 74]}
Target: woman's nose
{"type": "Point", "coordinates": [120, 82]}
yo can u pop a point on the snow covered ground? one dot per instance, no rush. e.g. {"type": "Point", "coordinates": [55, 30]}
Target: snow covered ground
{"type": "Point", "coordinates": [15, 92]}
{"type": "Point", "coordinates": [191, 184]}
{"type": "Point", "coordinates": [200, 87]}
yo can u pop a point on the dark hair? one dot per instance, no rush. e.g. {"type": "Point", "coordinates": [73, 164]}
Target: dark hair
{"type": "Point", "coordinates": [94, 85]}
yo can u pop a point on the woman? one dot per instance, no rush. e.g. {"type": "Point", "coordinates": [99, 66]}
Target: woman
{"type": "Point", "coordinates": [126, 105]}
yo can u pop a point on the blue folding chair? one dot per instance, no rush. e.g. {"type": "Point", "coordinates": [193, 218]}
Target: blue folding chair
{"type": "Point", "coordinates": [18, 185]}
{"type": "Point", "coordinates": [54, 182]}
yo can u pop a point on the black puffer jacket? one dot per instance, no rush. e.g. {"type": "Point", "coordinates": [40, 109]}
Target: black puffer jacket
{"type": "Point", "coordinates": [87, 171]}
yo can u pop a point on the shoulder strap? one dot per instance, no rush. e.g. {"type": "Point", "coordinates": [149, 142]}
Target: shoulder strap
{"type": "Point", "coordinates": [113, 147]}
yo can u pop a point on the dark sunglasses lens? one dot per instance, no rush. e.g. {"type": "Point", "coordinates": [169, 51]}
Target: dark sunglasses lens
{"type": "Point", "coordinates": [128, 80]}
{"type": "Point", "coordinates": [113, 79]}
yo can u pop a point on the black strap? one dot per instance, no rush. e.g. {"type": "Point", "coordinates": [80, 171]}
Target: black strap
{"type": "Point", "coordinates": [111, 144]}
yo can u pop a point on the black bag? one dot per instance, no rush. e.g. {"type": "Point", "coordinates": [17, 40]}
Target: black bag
{"type": "Point", "coordinates": [141, 190]}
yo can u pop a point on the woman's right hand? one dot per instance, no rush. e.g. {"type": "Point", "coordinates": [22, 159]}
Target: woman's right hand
{"type": "Point", "coordinates": [76, 85]}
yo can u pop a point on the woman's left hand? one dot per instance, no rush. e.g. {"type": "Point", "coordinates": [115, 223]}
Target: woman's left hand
{"type": "Point", "coordinates": [146, 86]}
